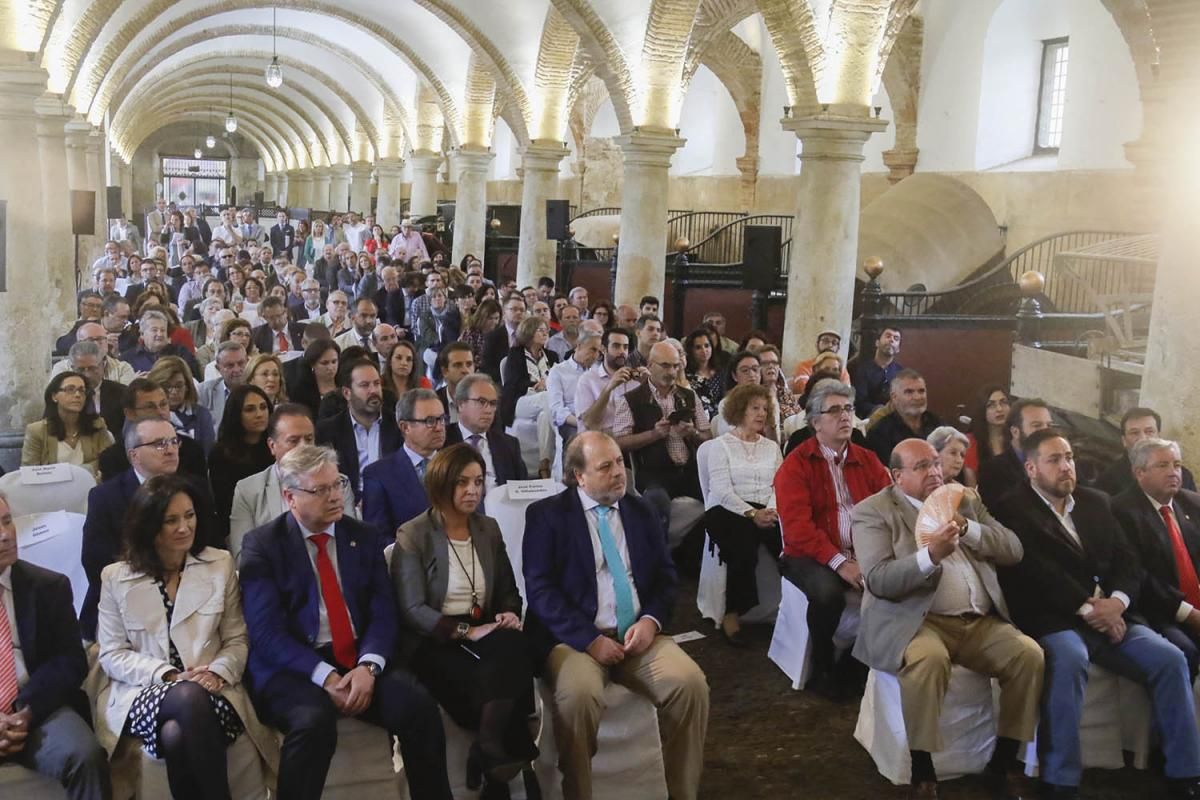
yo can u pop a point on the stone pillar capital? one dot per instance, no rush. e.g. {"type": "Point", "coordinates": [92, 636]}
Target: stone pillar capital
{"type": "Point", "coordinates": [321, 172]}
{"type": "Point", "coordinates": [649, 148]}
{"type": "Point", "coordinates": [543, 154]}
{"type": "Point", "coordinates": [389, 167]}
{"type": "Point", "coordinates": [425, 161]}
{"type": "Point", "coordinates": [340, 171]}
{"type": "Point", "coordinates": [470, 159]}
{"type": "Point", "coordinates": [833, 137]}
{"type": "Point", "coordinates": [360, 170]}
{"type": "Point", "coordinates": [21, 84]}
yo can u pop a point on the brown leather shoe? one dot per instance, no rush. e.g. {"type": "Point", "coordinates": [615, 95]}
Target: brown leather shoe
{"type": "Point", "coordinates": [1011, 785]}
{"type": "Point", "coordinates": [925, 790]}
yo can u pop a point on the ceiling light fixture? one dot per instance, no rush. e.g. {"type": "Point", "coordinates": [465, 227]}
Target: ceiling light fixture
{"type": "Point", "coordinates": [231, 120]}
{"type": "Point", "coordinates": [274, 72]}
{"type": "Point", "coordinates": [210, 141]}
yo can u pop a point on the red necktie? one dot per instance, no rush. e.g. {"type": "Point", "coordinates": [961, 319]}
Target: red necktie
{"type": "Point", "coordinates": [345, 652]}
{"type": "Point", "coordinates": [283, 342]}
{"type": "Point", "coordinates": [1188, 583]}
{"type": "Point", "coordinates": [8, 664]}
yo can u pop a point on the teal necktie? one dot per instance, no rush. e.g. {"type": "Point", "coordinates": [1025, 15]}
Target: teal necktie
{"type": "Point", "coordinates": [421, 465]}
{"type": "Point", "coordinates": [616, 567]}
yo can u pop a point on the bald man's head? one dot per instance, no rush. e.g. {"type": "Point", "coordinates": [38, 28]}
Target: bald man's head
{"type": "Point", "coordinates": [916, 468]}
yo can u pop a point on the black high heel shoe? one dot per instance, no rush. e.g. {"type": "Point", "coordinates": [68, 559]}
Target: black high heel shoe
{"type": "Point", "coordinates": [474, 767]}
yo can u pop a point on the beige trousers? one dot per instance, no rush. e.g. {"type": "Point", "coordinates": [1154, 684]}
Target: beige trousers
{"type": "Point", "coordinates": [665, 675]}
{"type": "Point", "coordinates": [987, 645]}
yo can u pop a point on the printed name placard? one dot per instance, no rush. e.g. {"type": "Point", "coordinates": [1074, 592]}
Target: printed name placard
{"type": "Point", "coordinates": [530, 490]}
{"type": "Point", "coordinates": [46, 473]}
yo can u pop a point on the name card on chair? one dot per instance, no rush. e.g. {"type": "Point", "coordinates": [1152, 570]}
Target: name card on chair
{"type": "Point", "coordinates": [35, 528]}
{"type": "Point", "coordinates": [46, 473]}
{"type": "Point", "coordinates": [530, 490]}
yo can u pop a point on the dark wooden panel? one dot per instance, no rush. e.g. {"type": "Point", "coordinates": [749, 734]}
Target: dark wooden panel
{"type": "Point", "coordinates": [956, 363]}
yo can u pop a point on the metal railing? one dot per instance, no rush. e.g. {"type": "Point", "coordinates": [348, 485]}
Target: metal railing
{"type": "Point", "coordinates": [997, 282]}
{"type": "Point", "coordinates": [604, 211]}
{"type": "Point", "coordinates": [723, 245]}
{"type": "Point", "coordinates": [698, 226]}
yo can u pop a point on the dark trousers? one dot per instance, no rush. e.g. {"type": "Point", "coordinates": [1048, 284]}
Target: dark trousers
{"type": "Point", "coordinates": [470, 680]}
{"type": "Point", "coordinates": [659, 486]}
{"type": "Point", "coordinates": [826, 602]}
{"type": "Point", "coordinates": [308, 718]}
{"type": "Point", "coordinates": [64, 748]}
{"type": "Point", "coordinates": [737, 539]}
{"type": "Point", "coordinates": [1187, 643]}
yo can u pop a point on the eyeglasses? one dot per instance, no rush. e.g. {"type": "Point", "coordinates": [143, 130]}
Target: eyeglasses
{"type": "Point", "coordinates": [483, 402]}
{"type": "Point", "coordinates": [837, 411]}
{"type": "Point", "coordinates": [429, 422]}
{"type": "Point", "coordinates": [72, 389]}
{"type": "Point", "coordinates": [161, 445]}
{"type": "Point", "coordinates": [766, 364]}
{"type": "Point", "coordinates": [341, 486]}
{"type": "Point", "coordinates": [746, 370]}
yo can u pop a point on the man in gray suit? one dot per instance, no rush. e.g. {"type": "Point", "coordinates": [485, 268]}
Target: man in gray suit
{"type": "Point", "coordinates": [231, 364]}
{"type": "Point", "coordinates": [930, 606]}
{"type": "Point", "coordinates": [258, 499]}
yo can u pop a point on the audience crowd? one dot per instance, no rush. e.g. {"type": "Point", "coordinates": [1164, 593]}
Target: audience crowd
{"type": "Point", "coordinates": [297, 432]}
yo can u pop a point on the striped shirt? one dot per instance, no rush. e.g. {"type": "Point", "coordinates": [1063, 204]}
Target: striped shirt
{"type": "Point", "coordinates": [845, 505]}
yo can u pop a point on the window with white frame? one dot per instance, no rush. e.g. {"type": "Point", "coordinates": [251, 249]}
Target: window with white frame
{"type": "Point", "coordinates": [1052, 95]}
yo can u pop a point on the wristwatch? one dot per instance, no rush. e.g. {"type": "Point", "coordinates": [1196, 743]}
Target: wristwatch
{"type": "Point", "coordinates": [462, 630]}
{"type": "Point", "coordinates": [749, 513]}
{"type": "Point", "coordinates": [372, 668]}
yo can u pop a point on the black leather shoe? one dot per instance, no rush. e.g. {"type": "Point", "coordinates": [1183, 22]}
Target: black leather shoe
{"type": "Point", "coordinates": [736, 639]}
{"type": "Point", "coordinates": [1184, 789]}
{"type": "Point", "coordinates": [1009, 785]}
{"type": "Point", "coordinates": [925, 790]}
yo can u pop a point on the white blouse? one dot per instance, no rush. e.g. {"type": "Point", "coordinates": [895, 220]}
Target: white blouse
{"type": "Point", "coordinates": [458, 586]}
{"type": "Point", "coordinates": [741, 473]}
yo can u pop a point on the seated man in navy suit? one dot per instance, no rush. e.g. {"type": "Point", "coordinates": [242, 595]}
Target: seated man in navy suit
{"type": "Point", "coordinates": [394, 486]}
{"type": "Point", "coordinates": [43, 711]}
{"type": "Point", "coordinates": [476, 398]}
{"type": "Point", "coordinates": [361, 434]}
{"type": "Point", "coordinates": [590, 625]}
{"type": "Point", "coordinates": [323, 624]}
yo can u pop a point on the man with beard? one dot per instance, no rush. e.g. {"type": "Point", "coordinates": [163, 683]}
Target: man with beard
{"type": "Point", "coordinates": [1074, 593]}
{"type": "Point", "coordinates": [600, 387]}
{"type": "Point", "coordinates": [361, 434]}
{"type": "Point", "coordinates": [872, 377]}
{"type": "Point", "coordinates": [828, 341]}
{"type": "Point", "coordinates": [366, 315]}
{"type": "Point", "coordinates": [910, 417]}
{"type": "Point", "coordinates": [566, 339]}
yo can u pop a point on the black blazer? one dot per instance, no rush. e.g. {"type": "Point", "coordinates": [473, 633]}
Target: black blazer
{"type": "Point", "coordinates": [391, 307]}
{"type": "Point", "coordinates": [111, 410]}
{"type": "Point", "coordinates": [264, 337]}
{"type": "Point", "coordinates": [50, 645]}
{"type": "Point", "coordinates": [516, 381]}
{"type": "Point", "coordinates": [1147, 534]}
{"type": "Point", "coordinates": [114, 460]}
{"type": "Point", "coordinates": [495, 348]}
{"type": "Point", "coordinates": [283, 238]}
{"type": "Point", "coordinates": [338, 433]}
{"type": "Point", "coordinates": [1056, 576]}
{"type": "Point", "coordinates": [506, 453]}
{"type": "Point", "coordinates": [999, 475]}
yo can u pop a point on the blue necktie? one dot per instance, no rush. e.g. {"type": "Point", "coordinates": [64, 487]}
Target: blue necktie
{"type": "Point", "coordinates": [616, 567]}
{"type": "Point", "coordinates": [421, 465]}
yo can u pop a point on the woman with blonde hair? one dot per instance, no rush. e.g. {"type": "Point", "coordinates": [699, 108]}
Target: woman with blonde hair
{"type": "Point", "coordinates": [265, 371]}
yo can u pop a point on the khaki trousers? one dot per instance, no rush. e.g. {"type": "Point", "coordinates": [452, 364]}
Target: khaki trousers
{"type": "Point", "coordinates": [665, 675]}
{"type": "Point", "coordinates": [987, 645]}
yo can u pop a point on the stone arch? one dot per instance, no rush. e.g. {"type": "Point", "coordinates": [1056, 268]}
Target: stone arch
{"type": "Point", "coordinates": [606, 55]}
{"type": "Point", "coordinates": [201, 66]}
{"type": "Point", "coordinates": [739, 69]}
{"type": "Point", "coordinates": [430, 123]}
{"type": "Point", "coordinates": [156, 140]}
{"type": "Point", "coordinates": [128, 76]}
{"type": "Point", "coordinates": [292, 132]}
{"type": "Point", "coordinates": [552, 76]}
{"type": "Point", "coordinates": [85, 36]}
{"type": "Point", "coordinates": [902, 81]}
{"type": "Point", "coordinates": [668, 30]}
{"type": "Point", "coordinates": [266, 138]}
{"type": "Point", "coordinates": [796, 40]}
{"type": "Point", "coordinates": [183, 76]}
{"type": "Point", "coordinates": [479, 105]}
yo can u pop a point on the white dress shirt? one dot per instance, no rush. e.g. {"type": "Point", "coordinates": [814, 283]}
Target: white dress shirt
{"type": "Point", "coordinates": [366, 441]}
{"type": "Point", "coordinates": [562, 383]}
{"type": "Point", "coordinates": [1084, 610]}
{"type": "Point", "coordinates": [588, 389]}
{"type": "Point", "coordinates": [485, 451]}
{"type": "Point", "coordinates": [324, 636]}
{"type": "Point", "coordinates": [6, 594]}
{"type": "Point", "coordinates": [356, 236]}
{"type": "Point", "coordinates": [606, 597]}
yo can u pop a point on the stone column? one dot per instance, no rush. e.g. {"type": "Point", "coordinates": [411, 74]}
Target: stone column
{"type": "Point", "coordinates": [642, 255]}
{"type": "Point", "coordinates": [97, 183]}
{"type": "Point", "coordinates": [25, 331]}
{"type": "Point", "coordinates": [52, 116]}
{"type": "Point", "coordinates": [339, 187]}
{"type": "Point", "coordinates": [300, 183]}
{"type": "Point", "coordinates": [271, 190]}
{"type": "Point", "coordinates": [470, 200]}
{"type": "Point", "coordinates": [1170, 381]}
{"type": "Point", "coordinates": [824, 251]}
{"type": "Point", "coordinates": [425, 165]}
{"type": "Point", "coordinates": [387, 176]}
{"type": "Point", "coordinates": [360, 186]}
{"type": "Point", "coordinates": [127, 191]}
{"type": "Point", "coordinates": [76, 132]}
{"type": "Point", "coordinates": [535, 255]}
{"type": "Point", "coordinates": [322, 179]}
{"type": "Point", "coordinates": [283, 187]}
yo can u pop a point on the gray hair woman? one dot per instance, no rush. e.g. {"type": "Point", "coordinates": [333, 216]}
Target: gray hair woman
{"type": "Point", "coordinates": [951, 445]}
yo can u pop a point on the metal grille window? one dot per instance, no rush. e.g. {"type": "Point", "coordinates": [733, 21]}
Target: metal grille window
{"type": "Point", "coordinates": [191, 181]}
{"type": "Point", "coordinates": [1052, 95]}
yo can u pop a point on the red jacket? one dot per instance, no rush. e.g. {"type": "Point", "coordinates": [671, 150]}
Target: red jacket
{"type": "Point", "coordinates": [807, 501]}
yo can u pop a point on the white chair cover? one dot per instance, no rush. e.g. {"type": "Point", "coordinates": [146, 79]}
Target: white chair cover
{"type": "Point", "coordinates": [247, 779]}
{"type": "Point", "coordinates": [36, 498]}
{"type": "Point", "coordinates": [510, 516]}
{"type": "Point", "coordinates": [628, 762]}
{"type": "Point", "coordinates": [363, 765]}
{"type": "Point", "coordinates": [1116, 717]}
{"type": "Point", "coordinates": [17, 781]}
{"type": "Point", "coordinates": [790, 642]}
{"type": "Point", "coordinates": [55, 541]}
{"type": "Point", "coordinates": [968, 726]}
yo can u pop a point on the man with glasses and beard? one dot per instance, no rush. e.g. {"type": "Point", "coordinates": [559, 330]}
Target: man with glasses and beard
{"type": "Point", "coordinates": [394, 486]}
{"type": "Point", "coordinates": [362, 434]}
{"type": "Point", "coordinates": [600, 387]}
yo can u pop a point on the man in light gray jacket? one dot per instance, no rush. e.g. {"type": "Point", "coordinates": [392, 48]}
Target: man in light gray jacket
{"type": "Point", "coordinates": [932, 604]}
{"type": "Point", "coordinates": [212, 394]}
